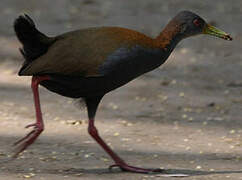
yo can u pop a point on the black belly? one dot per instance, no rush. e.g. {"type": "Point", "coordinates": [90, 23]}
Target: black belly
{"type": "Point", "coordinates": [76, 87]}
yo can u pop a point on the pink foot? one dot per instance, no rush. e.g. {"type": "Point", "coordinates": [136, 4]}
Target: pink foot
{"type": "Point", "coordinates": [133, 169]}
{"type": "Point", "coordinates": [26, 141]}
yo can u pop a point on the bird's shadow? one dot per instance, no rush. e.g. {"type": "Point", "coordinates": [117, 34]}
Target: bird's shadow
{"type": "Point", "coordinates": [166, 172]}
{"type": "Point", "coordinates": [10, 162]}
{"type": "Point", "coordinates": [106, 171]}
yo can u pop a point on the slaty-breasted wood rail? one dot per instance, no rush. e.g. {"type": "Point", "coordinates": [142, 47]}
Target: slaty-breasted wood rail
{"type": "Point", "coordinates": [89, 63]}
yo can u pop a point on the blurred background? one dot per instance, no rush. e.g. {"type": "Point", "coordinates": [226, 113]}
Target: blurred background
{"type": "Point", "coordinates": [188, 111]}
{"type": "Point", "coordinates": [148, 17]}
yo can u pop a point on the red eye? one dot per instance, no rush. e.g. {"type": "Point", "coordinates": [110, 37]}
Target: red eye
{"type": "Point", "coordinates": [196, 22]}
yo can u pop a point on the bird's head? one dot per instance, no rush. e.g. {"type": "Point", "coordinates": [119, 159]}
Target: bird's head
{"type": "Point", "coordinates": [190, 24]}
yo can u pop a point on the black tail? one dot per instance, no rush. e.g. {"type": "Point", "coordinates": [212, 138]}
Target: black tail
{"type": "Point", "coordinates": [35, 43]}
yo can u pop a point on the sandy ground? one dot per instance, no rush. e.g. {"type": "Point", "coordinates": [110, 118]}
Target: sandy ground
{"type": "Point", "coordinates": [185, 117]}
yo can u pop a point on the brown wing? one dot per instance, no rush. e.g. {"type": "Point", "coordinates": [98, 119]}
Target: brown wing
{"type": "Point", "coordinates": [82, 52]}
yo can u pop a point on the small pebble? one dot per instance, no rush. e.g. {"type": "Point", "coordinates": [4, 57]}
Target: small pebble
{"type": "Point", "coordinates": [116, 134]}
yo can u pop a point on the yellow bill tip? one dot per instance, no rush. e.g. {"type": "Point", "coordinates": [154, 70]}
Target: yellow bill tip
{"type": "Point", "coordinates": [213, 31]}
{"type": "Point", "coordinates": [228, 37]}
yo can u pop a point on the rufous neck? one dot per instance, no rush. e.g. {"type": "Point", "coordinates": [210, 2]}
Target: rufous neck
{"type": "Point", "coordinates": [169, 37]}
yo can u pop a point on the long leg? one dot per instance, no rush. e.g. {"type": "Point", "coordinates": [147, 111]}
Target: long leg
{"type": "Point", "coordinates": [92, 104]}
{"type": "Point", "coordinates": [26, 141]}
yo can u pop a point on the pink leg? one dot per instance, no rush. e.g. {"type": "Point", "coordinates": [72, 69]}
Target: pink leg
{"type": "Point", "coordinates": [118, 161]}
{"type": "Point", "coordinates": [39, 125]}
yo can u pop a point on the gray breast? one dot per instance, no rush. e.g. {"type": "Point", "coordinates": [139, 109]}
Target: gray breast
{"type": "Point", "coordinates": [132, 61]}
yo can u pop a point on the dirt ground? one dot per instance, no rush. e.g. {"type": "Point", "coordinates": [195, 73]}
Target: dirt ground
{"type": "Point", "coordinates": [185, 116]}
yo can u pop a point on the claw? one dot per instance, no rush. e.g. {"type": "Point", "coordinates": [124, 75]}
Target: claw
{"type": "Point", "coordinates": [113, 166]}
{"type": "Point", "coordinates": [33, 125]}
{"type": "Point", "coordinates": [125, 167]}
{"type": "Point", "coordinates": [25, 137]}
{"type": "Point", "coordinates": [27, 140]}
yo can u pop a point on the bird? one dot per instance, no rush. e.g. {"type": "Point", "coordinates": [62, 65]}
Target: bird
{"type": "Point", "coordinates": [89, 63]}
